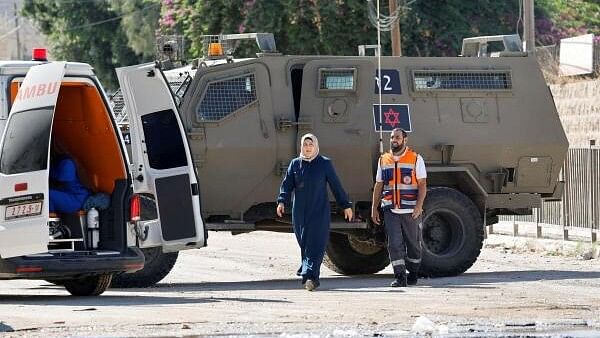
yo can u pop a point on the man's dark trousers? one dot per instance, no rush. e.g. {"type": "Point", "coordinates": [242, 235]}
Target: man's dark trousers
{"type": "Point", "coordinates": [404, 242]}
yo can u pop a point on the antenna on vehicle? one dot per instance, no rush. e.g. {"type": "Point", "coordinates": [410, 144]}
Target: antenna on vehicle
{"type": "Point", "coordinates": [379, 78]}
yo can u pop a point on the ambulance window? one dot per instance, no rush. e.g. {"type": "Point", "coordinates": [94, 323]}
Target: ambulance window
{"type": "Point", "coordinates": [224, 97]}
{"type": "Point", "coordinates": [26, 142]}
{"type": "Point", "coordinates": [337, 80]}
{"type": "Point", "coordinates": [164, 142]}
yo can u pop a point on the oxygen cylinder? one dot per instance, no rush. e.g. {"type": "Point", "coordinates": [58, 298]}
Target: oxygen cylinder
{"type": "Point", "coordinates": [93, 228]}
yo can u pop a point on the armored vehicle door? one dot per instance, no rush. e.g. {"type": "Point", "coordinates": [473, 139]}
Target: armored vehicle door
{"type": "Point", "coordinates": [336, 102]}
{"type": "Point", "coordinates": [230, 117]}
{"type": "Point", "coordinates": [161, 161]}
{"type": "Point", "coordinates": [24, 163]}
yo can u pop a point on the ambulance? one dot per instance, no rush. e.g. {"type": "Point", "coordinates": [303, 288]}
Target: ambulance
{"type": "Point", "coordinates": [43, 103]}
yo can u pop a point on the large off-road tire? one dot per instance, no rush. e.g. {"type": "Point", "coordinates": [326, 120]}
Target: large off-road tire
{"type": "Point", "coordinates": [88, 286]}
{"type": "Point", "coordinates": [452, 233]}
{"type": "Point", "coordinates": [156, 267]}
{"type": "Point", "coordinates": [350, 255]}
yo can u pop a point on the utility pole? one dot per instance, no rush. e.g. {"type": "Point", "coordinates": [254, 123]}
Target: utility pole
{"type": "Point", "coordinates": [19, 56]}
{"type": "Point", "coordinates": [395, 32]}
{"type": "Point", "coordinates": [529, 26]}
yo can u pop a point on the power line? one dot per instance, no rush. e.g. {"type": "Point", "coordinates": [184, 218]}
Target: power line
{"type": "Point", "coordinates": [10, 32]}
{"type": "Point", "coordinates": [96, 23]}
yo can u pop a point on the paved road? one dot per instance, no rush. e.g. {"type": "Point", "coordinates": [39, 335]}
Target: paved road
{"type": "Point", "coordinates": [245, 285]}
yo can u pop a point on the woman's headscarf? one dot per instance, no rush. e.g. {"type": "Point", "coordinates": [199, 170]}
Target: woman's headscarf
{"type": "Point", "coordinates": [316, 144]}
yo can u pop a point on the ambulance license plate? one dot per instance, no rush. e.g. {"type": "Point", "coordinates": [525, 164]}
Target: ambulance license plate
{"type": "Point", "coordinates": [23, 210]}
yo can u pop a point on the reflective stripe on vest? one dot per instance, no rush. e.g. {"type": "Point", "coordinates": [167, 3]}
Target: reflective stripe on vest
{"type": "Point", "coordinates": [400, 187]}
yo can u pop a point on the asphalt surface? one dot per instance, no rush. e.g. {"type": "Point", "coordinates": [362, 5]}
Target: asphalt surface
{"type": "Point", "coordinates": [245, 285]}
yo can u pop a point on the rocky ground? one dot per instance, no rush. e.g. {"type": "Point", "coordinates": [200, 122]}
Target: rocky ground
{"type": "Point", "coordinates": [245, 285]}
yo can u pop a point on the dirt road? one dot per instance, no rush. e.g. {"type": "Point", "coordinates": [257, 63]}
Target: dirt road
{"type": "Point", "coordinates": [245, 285]}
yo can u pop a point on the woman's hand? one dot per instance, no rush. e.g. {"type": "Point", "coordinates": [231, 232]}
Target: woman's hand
{"type": "Point", "coordinates": [375, 216]}
{"type": "Point", "coordinates": [280, 209]}
{"type": "Point", "coordinates": [348, 214]}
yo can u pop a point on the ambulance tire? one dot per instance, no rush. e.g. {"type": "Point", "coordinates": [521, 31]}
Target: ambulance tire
{"type": "Point", "coordinates": [88, 286]}
{"type": "Point", "coordinates": [348, 255]}
{"type": "Point", "coordinates": [452, 233]}
{"type": "Point", "coordinates": [156, 267]}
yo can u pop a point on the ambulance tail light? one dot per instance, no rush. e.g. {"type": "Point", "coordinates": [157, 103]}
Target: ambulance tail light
{"type": "Point", "coordinates": [39, 54]}
{"type": "Point", "coordinates": [135, 208]}
{"type": "Point", "coordinates": [28, 269]}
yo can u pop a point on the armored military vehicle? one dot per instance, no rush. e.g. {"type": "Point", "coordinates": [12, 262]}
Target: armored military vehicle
{"type": "Point", "coordinates": [485, 123]}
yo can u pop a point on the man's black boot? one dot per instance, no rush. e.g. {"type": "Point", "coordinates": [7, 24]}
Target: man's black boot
{"type": "Point", "coordinates": [412, 278]}
{"type": "Point", "coordinates": [400, 281]}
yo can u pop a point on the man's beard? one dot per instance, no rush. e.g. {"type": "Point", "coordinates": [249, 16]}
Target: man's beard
{"type": "Point", "coordinates": [396, 147]}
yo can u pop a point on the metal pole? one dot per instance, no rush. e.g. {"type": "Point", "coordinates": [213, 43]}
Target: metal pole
{"type": "Point", "coordinates": [591, 197]}
{"type": "Point", "coordinates": [19, 55]}
{"type": "Point", "coordinates": [395, 32]}
{"type": "Point", "coordinates": [538, 226]}
{"type": "Point", "coordinates": [566, 196]}
{"type": "Point", "coordinates": [379, 80]}
{"type": "Point", "coordinates": [529, 26]}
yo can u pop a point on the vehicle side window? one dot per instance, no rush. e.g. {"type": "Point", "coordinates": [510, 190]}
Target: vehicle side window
{"type": "Point", "coordinates": [337, 80]}
{"type": "Point", "coordinates": [224, 97]}
{"type": "Point", "coordinates": [425, 80]}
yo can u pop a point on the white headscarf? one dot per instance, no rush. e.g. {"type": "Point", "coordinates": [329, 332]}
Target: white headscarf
{"type": "Point", "coordinates": [315, 142]}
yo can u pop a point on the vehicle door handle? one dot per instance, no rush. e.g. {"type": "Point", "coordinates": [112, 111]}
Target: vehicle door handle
{"type": "Point", "coordinates": [284, 124]}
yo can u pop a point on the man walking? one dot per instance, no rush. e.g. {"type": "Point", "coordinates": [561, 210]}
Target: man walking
{"type": "Point", "coordinates": [400, 189]}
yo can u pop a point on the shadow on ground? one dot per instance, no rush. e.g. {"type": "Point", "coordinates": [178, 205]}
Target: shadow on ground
{"type": "Point", "coordinates": [379, 282]}
{"type": "Point", "coordinates": [118, 300]}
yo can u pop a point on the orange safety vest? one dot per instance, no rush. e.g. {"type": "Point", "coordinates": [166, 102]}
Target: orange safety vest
{"type": "Point", "coordinates": [400, 187]}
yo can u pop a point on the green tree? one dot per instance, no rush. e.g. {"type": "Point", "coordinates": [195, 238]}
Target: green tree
{"type": "Point", "coordinates": [429, 28]}
{"type": "Point", "coordinates": [558, 19]}
{"type": "Point", "coordinates": [140, 23]}
{"type": "Point", "coordinates": [94, 32]}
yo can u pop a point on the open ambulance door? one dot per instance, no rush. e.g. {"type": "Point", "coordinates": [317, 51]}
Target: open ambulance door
{"type": "Point", "coordinates": [161, 160]}
{"type": "Point", "coordinates": [25, 162]}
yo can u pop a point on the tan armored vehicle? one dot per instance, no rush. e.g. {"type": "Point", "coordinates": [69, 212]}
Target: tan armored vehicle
{"type": "Point", "coordinates": [485, 123]}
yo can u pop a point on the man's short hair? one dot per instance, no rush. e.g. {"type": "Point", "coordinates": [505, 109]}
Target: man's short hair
{"type": "Point", "coordinates": [404, 134]}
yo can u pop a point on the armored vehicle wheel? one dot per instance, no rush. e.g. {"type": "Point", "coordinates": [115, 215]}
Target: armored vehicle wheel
{"type": "Point", "coordinates": [88, 286]}
{"type": "Point", "coordinates": [156, 267]}
{"type": "Point", "coordinates": [350, 255]}
{"type": "Point", "coordinates": [452, 233]}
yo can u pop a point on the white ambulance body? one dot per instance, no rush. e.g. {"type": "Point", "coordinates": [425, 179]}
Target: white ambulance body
{"type": "Point", "coordinates": [62, 103]}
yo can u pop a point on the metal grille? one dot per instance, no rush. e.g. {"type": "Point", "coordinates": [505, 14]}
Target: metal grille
{"type": "Point", "coordinates": [337, 79]}
{"type": "Point", "coordinates": [579, 206]}
{"type": "Point", "coordinates": [118, 107]}
{"type": "Point", "coordinates": [224, 97]}
{"type": "Point", "coordinates": [461, 80]}
{"type": "Point", "coordinates": [117, 102]}
{"type": "Point", "coordinates": [209, 46]}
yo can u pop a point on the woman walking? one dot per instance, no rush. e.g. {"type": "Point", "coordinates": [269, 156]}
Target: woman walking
{"type": "Point", "coordinates": [307, 178]}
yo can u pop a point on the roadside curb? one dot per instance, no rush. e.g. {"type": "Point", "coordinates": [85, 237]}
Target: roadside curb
{"type": "Point", "coordinates": [551, 244]}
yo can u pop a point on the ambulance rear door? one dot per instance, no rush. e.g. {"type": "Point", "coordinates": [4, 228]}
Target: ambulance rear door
{"type": "Point", "coordinates": [25, 162]}
{"type": "Point", "coordinates": [161, 160]}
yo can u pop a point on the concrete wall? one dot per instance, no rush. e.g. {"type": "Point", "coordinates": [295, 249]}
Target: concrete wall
{"type": "Point", "coordinates": [578, 106]}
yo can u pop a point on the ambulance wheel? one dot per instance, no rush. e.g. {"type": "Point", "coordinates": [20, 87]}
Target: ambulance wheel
{"type": "Point", "coordinates": [351, 255]}
{"type": "Point", "coordinates": [452, 233]}
{"type": "Point", "coordinates": [156, 267]}
{"type": "Point", "coordinates": [88, 286]}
